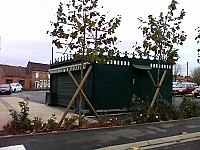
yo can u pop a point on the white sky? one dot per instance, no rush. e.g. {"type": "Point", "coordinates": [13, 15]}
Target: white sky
{"type": "Point", "coordinates": [24, 23]}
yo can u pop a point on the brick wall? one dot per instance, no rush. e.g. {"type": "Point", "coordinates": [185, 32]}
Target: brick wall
{"type": "Point", "coordinates": [39, 79]}
{"type": "Point", "coordinates": [23, 81]}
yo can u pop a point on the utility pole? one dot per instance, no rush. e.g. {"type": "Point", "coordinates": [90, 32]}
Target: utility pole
{"type": "Point", "coordinates": [52, 56]}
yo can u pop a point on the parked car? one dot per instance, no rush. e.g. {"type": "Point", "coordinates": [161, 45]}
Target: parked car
{"type": "Point", "coordinates": [184, 88]}
{"type": "Point", "coordinates": [174, 84]}
{"type": "Point", "coordinates": [197, 92]}
{"type": "Point", "coordinates": [16, 87]}
{"type": "Point", "coordinates": [5, 89]}
{"type": "Point", "coordinates": [196, 85]}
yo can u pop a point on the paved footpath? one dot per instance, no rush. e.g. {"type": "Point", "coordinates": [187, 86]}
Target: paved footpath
{"type": "Point", "coordinates": [35, 110]}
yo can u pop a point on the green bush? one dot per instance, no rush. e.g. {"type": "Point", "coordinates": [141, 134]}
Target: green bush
{"type": "Point", "coordinates": [20, 122]}
{"type": "Point", "coordinates": [189, 108]}
{"type": "Point", "coordinates": [162, 110]}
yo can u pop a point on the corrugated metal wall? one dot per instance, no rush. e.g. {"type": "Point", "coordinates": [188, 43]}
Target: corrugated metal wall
{"type": "Point", "coordinates": [66, 88]}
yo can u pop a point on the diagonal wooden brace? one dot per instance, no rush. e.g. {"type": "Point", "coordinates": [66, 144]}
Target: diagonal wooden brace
{"type": "Point", "coordinates": [74, 97]}
{"type": "Point", "coordinates": [154, 84]}
{"type": "Point", "coordinates": [157, 91]}
{"type": "Point", "coordinates": [84, 96]}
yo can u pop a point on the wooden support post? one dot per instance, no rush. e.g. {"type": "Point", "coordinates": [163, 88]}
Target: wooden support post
{"type": "Point", "coordinates": [74, 97]}
{"type": "Point", "coordinates": [84, 96]}
{"type": "Point", "coordinates": [154, 84]}
{"type": "Point", "coordinates": [157, 91]}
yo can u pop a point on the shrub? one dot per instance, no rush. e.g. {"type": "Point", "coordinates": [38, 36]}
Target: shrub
{"type": "Point", "coordinates": [51, 124]}
{"type": "Point", "coordinates": [20, 122]}
{"type": "Point", "coordinates": [70, 122]}
{"type": "Point", "coordinates": [162, 110]}
{"type": "Point", "coordinates": [102, 121]}
{"type": "Point", "coordinates": [189, 108]}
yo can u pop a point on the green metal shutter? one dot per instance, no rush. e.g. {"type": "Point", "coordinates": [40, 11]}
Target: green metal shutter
{"type": "Point", "coordinates": [66, 88]}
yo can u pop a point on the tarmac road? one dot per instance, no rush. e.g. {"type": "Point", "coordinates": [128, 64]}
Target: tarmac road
{"type": "Point", "coordinates": [102, 138]}
{"type": "Point", "coordinates": [35, 96]}
{"type": "Point", "coordinates": [177, 100]}
{"type": "Point", "coordinates": [39, 97]}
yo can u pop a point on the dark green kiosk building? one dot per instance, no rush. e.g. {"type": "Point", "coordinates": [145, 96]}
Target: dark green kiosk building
{"type": "Point", "coordinates": [111, 86]}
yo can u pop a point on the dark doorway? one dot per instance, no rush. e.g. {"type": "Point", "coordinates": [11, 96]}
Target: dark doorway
{"type": "Point", "coordinates": [22, 82]}
{"type": "Point", "coordinates": [8, 81]}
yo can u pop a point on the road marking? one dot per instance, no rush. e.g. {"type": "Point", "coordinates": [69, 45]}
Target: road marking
{"type": "Point", "coordinates": [155, 143]}
{"type": "Point", "coordinates": [14, 147]}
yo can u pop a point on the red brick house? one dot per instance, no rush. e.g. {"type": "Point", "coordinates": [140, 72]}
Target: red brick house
{"type": "Point", "coordinates": [38, 75]}
{"type": "Point", "coordinates": [35, 75]}
{"type": "Point", "coordinates": [13, 74]}
{"type": "Point", "coordinates": [179, 78]}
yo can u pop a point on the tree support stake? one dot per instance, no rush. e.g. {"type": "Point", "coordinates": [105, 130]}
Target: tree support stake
{"type": "Point", "coordinates": [84, 96]}
{"type": "Point", "coordinates": [74, 96]}
{"type": "Point", "coordinates": [157, 92]}
{"type": "Point", "coordinates": [154, 84]}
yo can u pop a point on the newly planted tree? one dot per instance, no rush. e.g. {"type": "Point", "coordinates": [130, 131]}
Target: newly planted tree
{"type": "Point", "coordinates": [80, 29]}
{"type": "Point", "coordinates": [161, 35]}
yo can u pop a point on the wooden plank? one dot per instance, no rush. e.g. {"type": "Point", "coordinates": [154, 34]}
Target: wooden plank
{"type": "Point", "coordinates": [83, 94]}
{"type": "Point", "coordinates": [157, 91]}
{"type": "Point", "coordinates": [154, 84]}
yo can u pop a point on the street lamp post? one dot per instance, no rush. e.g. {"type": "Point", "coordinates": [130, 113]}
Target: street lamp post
{"type": "Point", "coordinates": [198, 60]}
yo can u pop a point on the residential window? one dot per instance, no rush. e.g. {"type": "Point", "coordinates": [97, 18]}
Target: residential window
{"type": "Point", "coordinates": [37, 75]}
{"type": "Point", "coordinates": [48, 75]}
{"type": "Point", "coordinates": [22, 82]}
{"type": "Point", "coordinates": [48, 83]}
{"type": "Point", "coordinates": [36, 84]}
{"type": "Point", "coordinates": [8, 81]}
{"type": "Point", "coordinates": [41, 83]}
{"type": "Point", "coordinates": [45, 83]}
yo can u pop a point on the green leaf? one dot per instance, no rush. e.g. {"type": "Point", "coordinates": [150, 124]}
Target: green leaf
{"type": "Point", "coordinates": [174, 40]}
{"type": "Point", "coordinates": [183, 38]}
{"type": "Point", "coordinates": [79, 15]}
{"type": "Point", "coordinates": [92, 14]}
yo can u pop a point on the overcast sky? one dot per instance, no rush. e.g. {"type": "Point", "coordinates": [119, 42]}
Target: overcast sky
{"type": "Point", "coordinates": [24, 23]}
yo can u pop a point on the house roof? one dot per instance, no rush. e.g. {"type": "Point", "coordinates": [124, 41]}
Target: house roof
{"type": "Point", "coordinates": [38, 66]}
{"type": "Point", "coordinates": [180, 77]}
{"type": "Point", "coordinates": [13, 71]}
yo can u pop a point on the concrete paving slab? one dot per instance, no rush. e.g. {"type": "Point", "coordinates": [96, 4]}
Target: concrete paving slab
{"type": "Point", "coordinates": [5, 115]}
{"type": "Point", "coordinates": [35, 110]}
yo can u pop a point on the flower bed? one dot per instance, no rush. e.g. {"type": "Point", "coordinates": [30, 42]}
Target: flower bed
{"type": "Point", "coordinates": [162, 111]}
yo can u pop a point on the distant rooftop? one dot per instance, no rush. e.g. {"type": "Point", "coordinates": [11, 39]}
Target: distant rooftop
{"type": "Point", "coordinates": [13, 71]}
